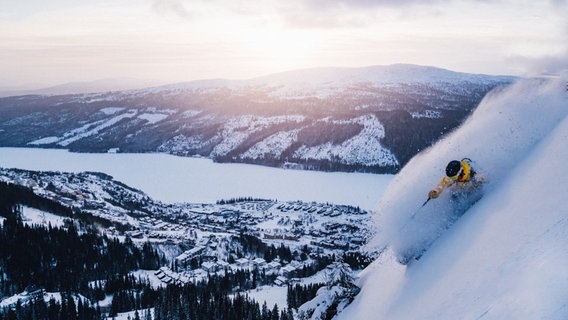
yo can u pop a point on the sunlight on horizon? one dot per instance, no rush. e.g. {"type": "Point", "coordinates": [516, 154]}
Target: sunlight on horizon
{"type": "Point", "coordinates": [174, 40]}
{"type": "Point", "coordinates": [280, 49]}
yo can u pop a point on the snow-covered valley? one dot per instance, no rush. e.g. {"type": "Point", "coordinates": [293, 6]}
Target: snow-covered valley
{"type": "Point", "coordinates": [180, 179]}
{"type": "Point", "coordinates": [501, 257]}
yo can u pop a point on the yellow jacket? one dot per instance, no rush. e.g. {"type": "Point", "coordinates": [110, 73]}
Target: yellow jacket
{"type": "Point", "coordinates": [464, 176]}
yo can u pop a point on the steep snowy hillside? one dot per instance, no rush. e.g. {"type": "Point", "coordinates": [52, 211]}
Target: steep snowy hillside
{"type": "Point", "coordinates": [505, 257]}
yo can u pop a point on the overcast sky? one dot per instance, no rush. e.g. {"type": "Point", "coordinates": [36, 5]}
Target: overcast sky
{"type": "Point", "coordinates": [47, 42]}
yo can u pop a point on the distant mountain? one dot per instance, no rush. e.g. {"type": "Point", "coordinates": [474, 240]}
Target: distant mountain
{"type": "Point", "coordinates": [371, 119]}
{"type": "Point", "coordinates": [104, 85]}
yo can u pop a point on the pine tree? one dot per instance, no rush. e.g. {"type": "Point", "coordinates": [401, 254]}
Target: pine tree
{"type": "Point", "coordinates": [340, 274]}
{"type": "Point", "coordinates": [275, 313]}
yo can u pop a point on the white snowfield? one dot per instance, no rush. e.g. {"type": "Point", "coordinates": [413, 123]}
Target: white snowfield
{"type": "Point", "coordinates": [364, 148]}
{"type": "Point", "coordinates": [507, 256]}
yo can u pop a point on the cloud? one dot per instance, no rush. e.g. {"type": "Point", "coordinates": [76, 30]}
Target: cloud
{"type": "Point", "coordinates": [301, 14]}
{"type": "Point", "coordinates": [353, 13]}
{"type": "Point", "coordinates": [552, 64]}
{"type": "Point", "coordinates": [544, 65]}
{"type": "Point", "coordinates": [367, 3]}
{"type": "Point", "coordinates": [175, 7]}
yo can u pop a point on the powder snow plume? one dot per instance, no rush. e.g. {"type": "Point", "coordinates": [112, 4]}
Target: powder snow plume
{"type": "Point", "coordinates": [506, 256]}
{"type": "Point", "coordinates": [503, 130]}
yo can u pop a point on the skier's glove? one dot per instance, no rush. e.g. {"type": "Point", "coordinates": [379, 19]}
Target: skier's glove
{"type": "Point", "coordinates": [433, 194]}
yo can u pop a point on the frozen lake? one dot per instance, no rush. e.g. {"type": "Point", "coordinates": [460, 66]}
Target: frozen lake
{"type": "Point", "coordinates": [179, 179]}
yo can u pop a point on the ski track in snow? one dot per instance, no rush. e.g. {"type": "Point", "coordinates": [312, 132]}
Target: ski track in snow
{"type": "Point", "coordinates": [274, 145]}
{"type": "Point", "coordinates": [232, 134]}
{"type": "Point", "coordinates": [89, 129]}
{"type": "Point", "coordinates": [364, 148]}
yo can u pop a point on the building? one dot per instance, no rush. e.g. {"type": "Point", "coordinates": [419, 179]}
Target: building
{"type": "Point", "coordinates": [280, 281]}
{"type": "Point", "coordinates": [287, 271]}
{"type": "Point", "coordinates": [223, 265]}
{"type": "Point", "coordinates": [242, 263]}
{"type": "Point", "coordinates": [259, 263]}
{"type": "Point", "coordinates": [189, 254]}
{"type": "Point", "coordinates": [209, 266]}
{"type": "Point", "coordinates": [274, 265]}
{"type": "Point", "coordinates": [33, 292]}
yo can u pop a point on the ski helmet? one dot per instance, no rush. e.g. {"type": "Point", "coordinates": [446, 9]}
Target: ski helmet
{"type": "Point", "coordinates": [453, 168]}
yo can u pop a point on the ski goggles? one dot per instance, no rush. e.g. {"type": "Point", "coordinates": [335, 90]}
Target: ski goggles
{"type": "Point", "coordinates": [455, 178]}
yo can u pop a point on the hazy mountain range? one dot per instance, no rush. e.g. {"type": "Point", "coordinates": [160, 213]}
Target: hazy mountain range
{"type": "Point", "coordinates": [103, 85]}
{"type": "Point", "coordinates": [371, 119]}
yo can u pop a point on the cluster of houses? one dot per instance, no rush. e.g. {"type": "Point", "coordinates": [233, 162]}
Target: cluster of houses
{"type": "Point", "coordinates": [210, 263]}
{"type": "Point", "coordinates": [239, 218]}
{"type": "Point", "coordinates": [325, 210]}
{"type": "Point", "coordinates": [179, 222]}
{"type": "Point", "coordinates": [30, 294]}
{"type": "Point", "coordinates": [320, 226]}
{"type": "Point", "coordinates": [284, 273]}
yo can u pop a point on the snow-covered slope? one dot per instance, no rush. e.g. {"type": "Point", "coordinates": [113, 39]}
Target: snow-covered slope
{"type": "Point", "coordinates": [506, 257]}
{"type": "Point", "coordinates": [391, 74]}
{"type": "Point", "coordinates": [103, 85]}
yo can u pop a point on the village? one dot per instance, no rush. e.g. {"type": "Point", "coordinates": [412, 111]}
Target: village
{"type": "Point", "coordinates": [204, 234]}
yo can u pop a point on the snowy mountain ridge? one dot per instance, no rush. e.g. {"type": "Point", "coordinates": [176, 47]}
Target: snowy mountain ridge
{"type": "Point", "coordinates": [506, 256]}
{"type": "Point", "coordinates": [325, 82]}
{"type": "Point", "coordinates": [371, 119]}
{"type": "Point", "coordinates": [391, 74]}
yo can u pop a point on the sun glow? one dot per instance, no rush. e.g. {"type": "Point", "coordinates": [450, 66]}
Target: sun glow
{"type": "Point", "coordinates": [45, 43]}
{"type": "Point", "coordinates": [282, 49]}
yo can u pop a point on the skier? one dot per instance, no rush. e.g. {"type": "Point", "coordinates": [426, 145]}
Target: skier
{"type": "Point", "coordinates": [458, 173]}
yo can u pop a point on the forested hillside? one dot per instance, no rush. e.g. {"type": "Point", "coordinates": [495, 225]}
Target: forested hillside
{"type": "Point", "coordinates": [370, 119]}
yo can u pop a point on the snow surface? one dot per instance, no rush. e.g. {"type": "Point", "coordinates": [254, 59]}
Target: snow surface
{"type": "Point", "coordinates": [111, 110]}
{"type": "Point", "coordinates": [233, 134]}
{"type": "Point", "coordinates": [324, 83]}
{"type": "Point", "coordinates": [33, 216]}
{"type": "Point", "coordinates": [153, 118]}
{"type": "Point", "coordinates": [89, 129]}
{"type": "Point", "coordinates": [378, 75]}
{"type": "Point", "coordinates": [274, 145]}
{"type": "Point", "coordinates": [364, 148]}
{"type": "Point", "coordinates": [273, 294]}
{"type": "Point", "coordinates": [180, 179]}
{"type": "Point", "coordinates": [12, 300]}
{"type": "Point", "coordinates": [506, 257]}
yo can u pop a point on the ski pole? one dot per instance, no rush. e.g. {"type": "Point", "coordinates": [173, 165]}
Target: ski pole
{"type": "Point", "coordinates": [414, 214]}
{"type": "Point", "coordinates": [425, 202]}
{"type": "Point", "coordinates": [422, 206]}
